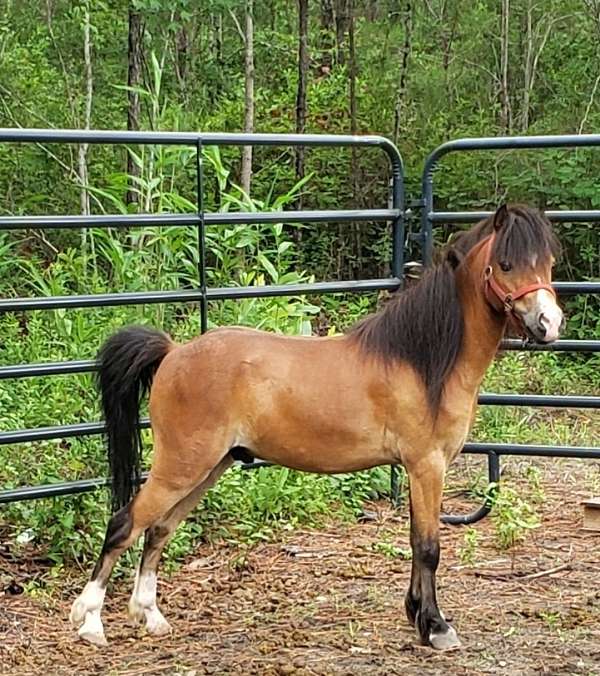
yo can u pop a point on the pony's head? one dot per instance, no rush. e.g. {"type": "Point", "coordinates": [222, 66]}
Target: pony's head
{"type": "Point", "coordinates": [520, 253]}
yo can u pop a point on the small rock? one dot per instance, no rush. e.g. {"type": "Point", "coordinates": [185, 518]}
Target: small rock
{"type": "Point", "coordinates": [196, 564]}
{"type": "Point", "coordinates": [367, 515]}
{"type": "Point", "coordinates": [25, 537]}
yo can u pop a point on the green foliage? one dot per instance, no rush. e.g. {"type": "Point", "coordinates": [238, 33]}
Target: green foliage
{"type": "Point", "coordinates": [512, 516]}
{"type": "Point", "coordinates": [392, 551]}
{"type": "Point", "coordinates": [244, 507]}
{"type": "Point", "coordinates": [467, 552]}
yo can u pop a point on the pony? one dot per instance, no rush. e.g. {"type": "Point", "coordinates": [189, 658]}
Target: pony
{"type": "Point", "coordinates": [399, 388]}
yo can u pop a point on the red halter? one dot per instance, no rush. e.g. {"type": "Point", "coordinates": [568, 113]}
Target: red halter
{"type": "Point", "coordinates": [501, 299]}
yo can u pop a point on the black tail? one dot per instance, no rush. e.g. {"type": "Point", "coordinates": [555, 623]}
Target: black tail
{"type": "Point", "coordinates": [127, 363]}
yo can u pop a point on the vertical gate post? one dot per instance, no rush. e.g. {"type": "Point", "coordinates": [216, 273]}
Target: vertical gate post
{"type": "Point", "coordinates": [397, 266]}
{"type": "Point", "coordinates": [426, 239]}
{"type": "Point", "coordinates": [398, 222]}
{"type": "Point", "coordinates": [201, 237]}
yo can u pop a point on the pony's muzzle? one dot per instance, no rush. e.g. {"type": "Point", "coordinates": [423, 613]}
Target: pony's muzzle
{"type": "Point", "coordinates": [543, 319]}
{"type": "Point", "coordinates": [548, 325]}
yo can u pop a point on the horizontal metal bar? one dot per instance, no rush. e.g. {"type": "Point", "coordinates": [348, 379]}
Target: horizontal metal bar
{"type": "Point", "coordinates": [583, 452]}
{"type": "Point", "coordinates": [551, 400]}
{"type": "Point", "coordinates": [57, 432]}
{"type": "Point", "coordinates": [574, 288]}
{"type": "Point", "coordinates": [87, 429]}
{"type": "Point", "coordinates": [492, 450]}
{"type": "Point", "coordinates": [97, 221]}
{"type": "Point", "coordinates": [558, 346]}
{"type": "Point", "coordinates": [82, 486]}
{"type": "Point", "coordinates": [331, 216]}
{"type": "Point", "coordinates": [192, 220]}
{"type": "Point", "coordinates": [354, 286]}
{"type": "Point", "coordinates": [186, 138]}
{"type": "Point", "coordinates": [510, 143]}
{"type": "Point", "coordinates": [565, 216]}
{"type": "Point", "coordinates": [222, 293]}
{"type": "Point", "coordinates": [51, 490]}
{"type": "Point", "coordinates": [47, 369]}
{"type": "Point", "coordinates": [191, 295]}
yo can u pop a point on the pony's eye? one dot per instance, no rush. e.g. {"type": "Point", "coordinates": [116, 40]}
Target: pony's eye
{"type": "Point", "coordinates": [506, 267]}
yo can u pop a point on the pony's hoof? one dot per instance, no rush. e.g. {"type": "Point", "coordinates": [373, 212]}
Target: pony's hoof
{"type": "Point", "coordinates": [95, 638]}
{"type": "Point", "coordinates": [157, 625]}
{"type": "Point", "coordinates": [92, 630]}
{"type": "Point", "coordinates": [153, 618]}
{"type": "Point", "coordinates": [447, 641]}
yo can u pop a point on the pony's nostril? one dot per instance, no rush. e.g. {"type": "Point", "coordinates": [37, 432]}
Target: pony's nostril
{"type": "Point", "coordinates": [543, 323]}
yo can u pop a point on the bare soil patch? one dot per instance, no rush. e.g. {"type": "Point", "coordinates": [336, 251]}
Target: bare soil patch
{"type": "Point", "coordinates": [331, 602]}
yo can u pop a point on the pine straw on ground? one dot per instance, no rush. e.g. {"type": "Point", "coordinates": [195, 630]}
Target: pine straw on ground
{"type": "Point", "coordinates": [331, 602]}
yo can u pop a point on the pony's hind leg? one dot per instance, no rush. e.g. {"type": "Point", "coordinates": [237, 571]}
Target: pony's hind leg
{"type": "Point", "coordinates": [142, 604]}
{"type": "Point", "coordinates": [426, 479]}
{"type": "Point", "coordinates": [154, 499]}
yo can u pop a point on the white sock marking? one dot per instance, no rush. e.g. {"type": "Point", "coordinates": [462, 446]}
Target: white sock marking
{"type": "Point", "coordinates": [86, 611]}
{"type": "Point", "coordinates": [143, 603]}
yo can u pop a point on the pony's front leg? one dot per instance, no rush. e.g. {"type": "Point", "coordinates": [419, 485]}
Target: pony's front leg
{"type": "Point", "coordinates": [426, 477]}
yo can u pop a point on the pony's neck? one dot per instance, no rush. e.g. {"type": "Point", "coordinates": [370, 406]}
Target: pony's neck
{"type": "Point", "coordinates": [483, 328]}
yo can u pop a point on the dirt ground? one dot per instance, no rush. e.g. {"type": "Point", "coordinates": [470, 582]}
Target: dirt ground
{"type": "Point", "coordinates": [331, 602]}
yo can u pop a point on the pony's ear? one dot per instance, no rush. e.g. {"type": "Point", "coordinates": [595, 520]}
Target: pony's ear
{"type": "Point", "coordinates": [500, 217]}
{"type": "Point", "coordinates": [453, 257]}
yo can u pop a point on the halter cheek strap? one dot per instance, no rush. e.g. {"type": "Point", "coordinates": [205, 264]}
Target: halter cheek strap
{"type": "Point", "coordinates": [501, 299]}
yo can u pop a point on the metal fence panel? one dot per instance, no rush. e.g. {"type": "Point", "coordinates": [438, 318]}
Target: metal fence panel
{"type": "Point", "coordinates": [392, 214]}
{"type": "Point", "coordinates": [430, 216]}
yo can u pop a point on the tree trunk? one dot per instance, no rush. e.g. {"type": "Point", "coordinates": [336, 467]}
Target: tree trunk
{"type": "Point", "coordinates": [354, 168]}
{"type": "Point", "coordinates": [405, 50]}
{"type": "Point", "coordinates": [218, 30]}
{"type": "Point", "coordinates": [527, 75]}
{"type": "Point", "coordinates": [449, 21]}
{"type": "Point", "coordinates": [505, 112]}
{"type": "Point", "coordinates": [537, 32]}
{"type": "Point", "coordinates": [326, 33]}
{"type": "Point", "coordinates": [84, 196]}
{"type": "Point", "coordinates": [246, 173]}
{"type": "Point", "coordinates": [303, 65]}
{"type": "Point", "coordinates": [372, 10]}
{"type": "Point", "coordinates": [342, 22]}
{"type": "Point", "coordinates": [181, 59]}
{"type": "Point", "coordinates": [134, 79]}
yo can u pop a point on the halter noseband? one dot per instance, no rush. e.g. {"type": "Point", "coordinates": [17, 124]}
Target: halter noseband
{"type": "Point", "coordinates": [501, 299]}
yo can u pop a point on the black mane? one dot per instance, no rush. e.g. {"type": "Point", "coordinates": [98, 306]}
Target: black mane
{"type": "Point", "coordinates": [423, 324]}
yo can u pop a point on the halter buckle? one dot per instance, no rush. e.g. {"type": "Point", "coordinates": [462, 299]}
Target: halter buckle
{"type": "Point", "coordinates": [487, 273]}
{"type": "Point", "coordinates": [509, 303]}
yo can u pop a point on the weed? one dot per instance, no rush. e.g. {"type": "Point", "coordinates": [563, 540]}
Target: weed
{"type": "Point", "coordinates": [512, 517]}
{"type": "Point", "coordinates": [551, 618]}
{"type": "Point", "coordinates": [468, 551]}
{"type": "Point", "coordinates": [391, 550]}
{"type": "Point", "coordinates": [534, 479]}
